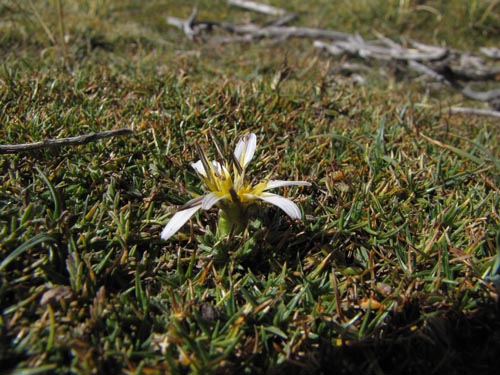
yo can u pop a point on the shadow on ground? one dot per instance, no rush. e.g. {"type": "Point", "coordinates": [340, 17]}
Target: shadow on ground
{"type": "Point", "coordinates": [448, 344]}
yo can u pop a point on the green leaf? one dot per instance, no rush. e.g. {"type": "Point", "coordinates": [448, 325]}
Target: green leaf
{"type": "Point", "coordinates": [39, 238]}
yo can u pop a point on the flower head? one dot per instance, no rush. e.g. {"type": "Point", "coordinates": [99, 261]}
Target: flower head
{"type": "Point", "coordinates": [229, 189]}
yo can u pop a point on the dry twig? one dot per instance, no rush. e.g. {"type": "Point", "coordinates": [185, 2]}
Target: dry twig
{"type": "Point", "coordinates": [250, 31]}
{"type": "Point", "coordinates": [382, 49]}
{"type": "Point", "coordinates": [258, 7]}
{"type": "Point", "coordinates": [475, 111]}
{"type": "Point", "coordinates": [185, 25]}
{"type": "Point", "coordinates": [442, 64]}
{"type": "Point", "coordinates": [491, 52]}
{"type": "Point", "coordinates": [70, 141]}
{"type": "Point", "coordinates": [428, 60]}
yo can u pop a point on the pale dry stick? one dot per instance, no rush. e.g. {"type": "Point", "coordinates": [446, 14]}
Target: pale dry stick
{"type": "Point", "coordinates": [470, 67]}
{"type": "Point", "coordinates": [185, 25]}
{"type": "Point", "coordinates": [423, 52]}
{"type": "Point", "coordinates": [281, 21]}
{"type": "Point", "coordinates": [43, 24]}
{"type": "Point", "coordinates": [251, 31]}
{"type": "Point", "coordinates": [491, 52]}
{"type": "Point", "coordinates": [357, 46]}
{"type": "Point", "coordinates": [436, 52]}
{"type": "Point", "coordinates": [482, 96]}
{"type": "Point", "coordinates": [424, 69]}
{"type": "Point", "coordinates": [62, 31]}
{"type": "Point", "coordinates": [331, 48]}
{"type": "Point", "coordinates": [427, 59]}
{"type": "Point", "coordinates": [381, 49]}
{"type": "Point", "coordinates": [258, 7]}
{"type": "Point", "coordinates": [475, 111]}
{"type": "Point", "coordinates": [295, 32]}
{"type": "Point", "coordinates": [70, 141]}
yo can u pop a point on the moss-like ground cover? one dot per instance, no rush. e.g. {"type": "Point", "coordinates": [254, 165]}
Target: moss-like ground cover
{"type": "Point", "coordinates": [389, 273]}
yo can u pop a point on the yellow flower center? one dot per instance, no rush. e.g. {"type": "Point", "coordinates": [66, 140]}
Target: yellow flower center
{"type": "Point", "coordinates": [220, 182]}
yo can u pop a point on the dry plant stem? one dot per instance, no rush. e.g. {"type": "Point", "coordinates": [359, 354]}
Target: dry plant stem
{"type": "Point", "coordinates": [391, 50]}
{"type": "Point", "coordinates": [188, 25]}
{"type": "Point", "coordinates": [475, 111]}
{"type": "Point", "coordinates": [70, 141]}
{"type": "Point", "coordinates": [257, 7]}
{"type": "Point", "coordinates": [249, 32]}
{"type": "Point", "coordinates": [43, 24]}
{"type": "Point", "coordinates": [185, 25]}
{"type": "Point", "coordinates": [491, 52]}
{"type": "Point", "coordinates": [381, 49]}
{"type": "Point", "coordinates": [289, 32]}
{"type": "Point", "coordinates": [176, 21]}
{"type": "Point", "coordinates": [422, 58]}
{"type": "Point", "coordinates": [424, 69]}
{"type": "Point", "coordinates": [62, 32]}
{"type": "Point", "coordinates": [283, 20]}
{"type": "Point", "coordinates": [482, 96]}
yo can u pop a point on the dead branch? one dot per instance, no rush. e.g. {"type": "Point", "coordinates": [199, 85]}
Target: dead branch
{"type": "Point", "coordinates": [185, 25]}
{"type": "Point", "coordinates": [490, 96]}
{"type": "Point", "coordinates": [382, 49]}
{"type": "Point", "coordinates": [290, 32]}
{"type": "Point", "coordinates": [70, 141]}
{"type": "Point", "coordinates": [258, 7]}
{"type": "Point", "coordinates": [483, 96]}
{"type": "Point", "coordinates": [424, 69]}
{"type": "Point", "coordinates": [428, 60]}
{"type": "Point", "coordinates": [475, 111]}
{"type": "Point", "coordinates": [283, 20]}
{"type": "Point", "coordinates": [250, 31]}
{"type": "Point", "coordinates": [449, 67]}
{"type": "Point", "coordinates": [491, 52]}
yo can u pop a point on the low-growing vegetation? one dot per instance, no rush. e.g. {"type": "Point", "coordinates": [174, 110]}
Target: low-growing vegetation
{"type": "Point", "coordinates": [391, 271]}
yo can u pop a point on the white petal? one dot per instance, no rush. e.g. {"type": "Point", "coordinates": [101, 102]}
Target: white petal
{"type": "Point", "coordinates": [177, 221]}
{"type": "Point", "coordinates": [285, 204]}
{"type": "Point", "coordinates": [219, 169]}
{"type": "Point", "coordinates": [210, 199]}
{"type": "Point", "coordinates": [193, 202]}
{"type": "Point", "coordinates": [279, 183]}
{"type": "Point", "coordinates": [245, 149]}
{"type": "Point", "coordinates": [198, 167]}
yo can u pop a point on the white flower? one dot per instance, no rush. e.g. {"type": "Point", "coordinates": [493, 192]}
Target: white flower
{"type": "Point", "coordinates": [231, 190]}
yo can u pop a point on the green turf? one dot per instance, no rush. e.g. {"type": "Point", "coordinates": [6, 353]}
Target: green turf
{"type": "Point", "coordinates": [388, 273]}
